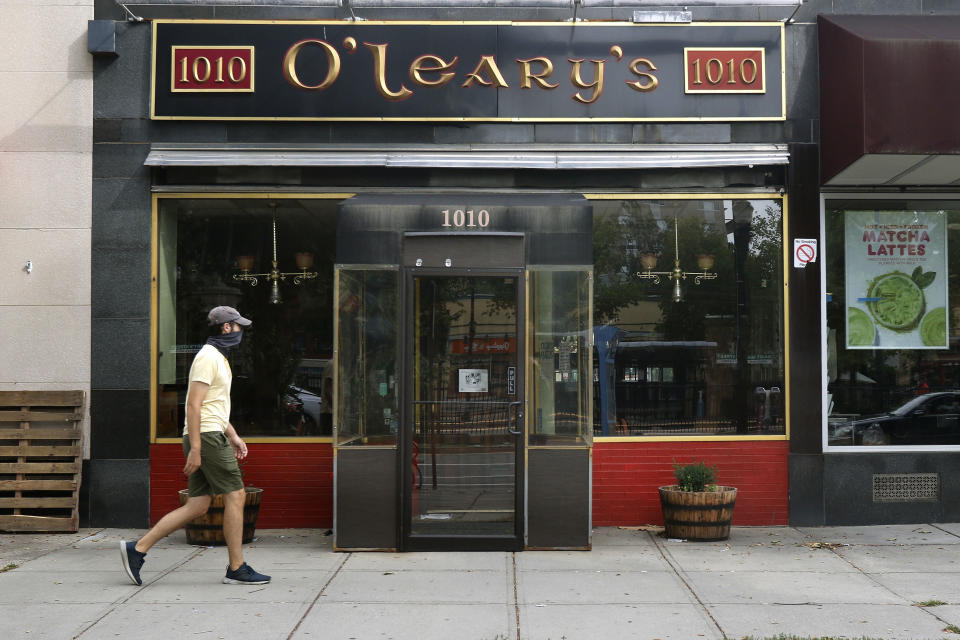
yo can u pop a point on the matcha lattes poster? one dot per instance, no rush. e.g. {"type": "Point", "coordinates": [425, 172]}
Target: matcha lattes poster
{"type": "Point", "coordinates": [896, 280]}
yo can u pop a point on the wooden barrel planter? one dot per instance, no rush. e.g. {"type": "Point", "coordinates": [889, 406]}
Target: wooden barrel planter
{"type": "Point", "coordinates": [697, 515]}
{"type": "Point", "coordinates": [208, 529]}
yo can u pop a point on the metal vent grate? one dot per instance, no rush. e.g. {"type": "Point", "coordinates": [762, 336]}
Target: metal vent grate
{"type": "Point", "coordinates": [906, 487]}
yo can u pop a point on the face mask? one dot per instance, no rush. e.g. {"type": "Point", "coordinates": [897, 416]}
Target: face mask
{"type": "Point", "coordinates": [226, 341]}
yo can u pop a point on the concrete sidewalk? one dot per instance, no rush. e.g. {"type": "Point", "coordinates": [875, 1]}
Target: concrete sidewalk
{"type": "Point", "coordinates": [844, 581]}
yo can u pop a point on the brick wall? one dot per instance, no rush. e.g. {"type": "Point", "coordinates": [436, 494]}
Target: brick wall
{"type": "Point", "coordinates": [297, 480]}
{"type": "Point", "coordinates": [626, 476]}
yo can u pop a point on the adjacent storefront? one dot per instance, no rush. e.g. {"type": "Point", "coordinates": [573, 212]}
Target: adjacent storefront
{"type": "Point", "coordinates": [890, 234]}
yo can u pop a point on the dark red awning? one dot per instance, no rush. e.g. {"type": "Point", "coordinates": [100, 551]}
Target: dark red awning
{"type": "Point", "coordinates": [890, 100]}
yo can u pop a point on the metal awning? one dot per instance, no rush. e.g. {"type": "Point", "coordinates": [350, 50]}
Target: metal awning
{"type": "Point", "coordinates": [888, 102]}
{"type": "Point", "coordinates": [470, 4]}
{"type": "Point", "coordinates": [534, 156]}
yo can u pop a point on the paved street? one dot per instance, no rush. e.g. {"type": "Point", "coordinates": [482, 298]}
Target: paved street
{"type": "Point", "coordinates": [838, 581]}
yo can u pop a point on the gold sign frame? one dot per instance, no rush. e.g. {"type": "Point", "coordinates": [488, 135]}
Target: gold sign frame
{"type": "Point", "coordinates": [780, 112]}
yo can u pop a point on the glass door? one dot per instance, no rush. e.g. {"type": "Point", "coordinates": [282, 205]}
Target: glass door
{"type": "Point", "coordinates": [464, 428]}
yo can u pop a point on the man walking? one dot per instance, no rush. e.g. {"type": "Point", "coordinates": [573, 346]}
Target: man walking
{"type": "Point", "coordinates": [212, 448]}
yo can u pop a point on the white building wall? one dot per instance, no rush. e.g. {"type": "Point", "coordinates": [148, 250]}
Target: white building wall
{"type": "Point", "coordinates": [46, 116]}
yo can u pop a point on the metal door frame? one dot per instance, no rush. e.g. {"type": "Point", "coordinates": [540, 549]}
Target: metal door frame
{"type": "Point", "coordinates": [408, 542]}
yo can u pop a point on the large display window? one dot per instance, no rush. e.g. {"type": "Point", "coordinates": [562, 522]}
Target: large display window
{"type": "Point", "coordinates": [893, 363]}
{"type": "Point", "coordinates": [687, 303]}
{"type": "Point", "coordinates": [689, 311]}
{"type": "Point", "coordinates": [270, 257]}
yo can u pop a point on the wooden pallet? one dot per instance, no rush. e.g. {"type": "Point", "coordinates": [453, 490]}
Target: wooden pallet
{"type": "Point", "coordinates": [40, 460]}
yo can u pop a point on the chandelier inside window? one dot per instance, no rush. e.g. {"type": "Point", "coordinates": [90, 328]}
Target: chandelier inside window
{"type": "Point", "coordinates": [303, 261]}
{"type": "Point", "coordinates": [649, 261]}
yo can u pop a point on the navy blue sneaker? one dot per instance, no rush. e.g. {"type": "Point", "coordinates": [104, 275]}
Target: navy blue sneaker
{"type": "Point", "coordinates": [132, 561]}
{"type": "Point", "coordinates": [244, 575]}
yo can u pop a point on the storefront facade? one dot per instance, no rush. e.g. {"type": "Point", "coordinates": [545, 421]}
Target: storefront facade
{"type": "Point", "coordinates": [503, 274]}
{"type": "Point", "coordinates": [889, 205]}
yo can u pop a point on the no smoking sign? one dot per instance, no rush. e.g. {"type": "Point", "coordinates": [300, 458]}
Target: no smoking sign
{"type": "Point", "coordinates": [804, 251]}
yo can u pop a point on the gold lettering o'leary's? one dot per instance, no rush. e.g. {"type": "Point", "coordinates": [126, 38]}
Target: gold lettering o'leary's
{"type": "Point", "coordinates": [379, 52]}
{"type": "Point", "coordinates": [420, 66]}
{"type": "Point", "coordinates": [527, 74]}
{"type": "Point", "coordinates": [290, 65]}
{"type": "Point", "coordinates": [578, 81]}
{"type": "Point", "coordinates": [486, 65]}
{"type": "Point", "coordinates": [651, 80]}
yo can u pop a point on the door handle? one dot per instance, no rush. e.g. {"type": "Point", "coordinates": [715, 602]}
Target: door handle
{"type": "Point", "coordinates": [514, 417]}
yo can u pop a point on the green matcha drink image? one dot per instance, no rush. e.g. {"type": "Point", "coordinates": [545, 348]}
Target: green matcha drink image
{"type": "Point", "coordinates": [933, 328]}
{"type": "Point", "coordinates": [897, 301]}
{"type": "Point", "coordinates": [860, 329]}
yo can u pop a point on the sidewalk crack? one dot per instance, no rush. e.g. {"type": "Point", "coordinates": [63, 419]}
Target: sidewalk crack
{"type": "Point", "coordinates": [516, 601]}
{"type": "Point", "coordinates": [869, 576]}
{"type": "Point", "coordinates": [146, 585]}
{"type": "Point", "coordinates": [319, 593]}
{"type": "Point", "coordinates": [679, 574]}
{"type": "Point", "coordinates": [951, 533]}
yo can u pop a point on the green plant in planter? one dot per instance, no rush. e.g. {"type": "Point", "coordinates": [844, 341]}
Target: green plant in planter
{"type": "Point", "coordinates": [695, 476]}
{"type": "Point", "coordinates": [695, 508]}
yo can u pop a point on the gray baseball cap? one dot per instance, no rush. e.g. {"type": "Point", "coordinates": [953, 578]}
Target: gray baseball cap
{"type": "Point", "coordinates": [219, 315]}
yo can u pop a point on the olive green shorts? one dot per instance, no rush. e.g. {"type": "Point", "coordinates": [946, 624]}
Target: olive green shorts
{"type": "Point", "coordinates": [219, 471]}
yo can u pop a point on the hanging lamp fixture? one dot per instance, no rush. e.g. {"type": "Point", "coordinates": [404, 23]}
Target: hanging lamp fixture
{"type": "Point", "coordinates": [649, 261]}
{"type": "Point", "coordinates": [303, 261]}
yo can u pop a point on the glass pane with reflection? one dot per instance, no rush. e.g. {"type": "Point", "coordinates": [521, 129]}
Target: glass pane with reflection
{"type": "Point", "coordinates": [688, 317]}
{"type": "Point", "coordinates": [210, 252]}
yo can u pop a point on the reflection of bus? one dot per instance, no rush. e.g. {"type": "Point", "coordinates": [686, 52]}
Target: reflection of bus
{"type": "Point", "coordinates": [657, 387]}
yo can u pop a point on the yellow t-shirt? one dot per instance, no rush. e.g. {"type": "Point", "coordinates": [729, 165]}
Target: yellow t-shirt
{"type": "Point", "coordinates": [209, 366]}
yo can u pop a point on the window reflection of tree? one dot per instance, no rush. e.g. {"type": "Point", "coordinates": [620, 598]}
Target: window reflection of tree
{"type": "Point", "coordinates": [733, 318]}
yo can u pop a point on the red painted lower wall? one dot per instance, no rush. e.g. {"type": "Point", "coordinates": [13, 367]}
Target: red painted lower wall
{"type": "Point", "coordinates": [626, 476]}
{"type": "Point", "coordinates": [297, 482]}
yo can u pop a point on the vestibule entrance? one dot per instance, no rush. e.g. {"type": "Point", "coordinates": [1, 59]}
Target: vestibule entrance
{"type": "Point", "coordinates": [464, 429]}
{"type": "Point", "coordinates": [462, 418]}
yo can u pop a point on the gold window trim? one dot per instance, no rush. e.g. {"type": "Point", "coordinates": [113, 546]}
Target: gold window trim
{"type": "Point", "coordinates": [758, 195]}
{"type": "Point", "coordinates": [154, 301]}
{"type": "Point", "coordinates": [155, 297]}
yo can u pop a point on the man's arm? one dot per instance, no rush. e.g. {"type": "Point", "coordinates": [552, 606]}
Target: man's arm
{"type": "Point", "coordinates": [195, 395]}
{"type": "Point", "coordinates": [239, 446]}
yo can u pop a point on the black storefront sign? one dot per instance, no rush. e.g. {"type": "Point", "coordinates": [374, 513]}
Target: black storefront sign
{"type": "Point", "coordinates": [467, 71]}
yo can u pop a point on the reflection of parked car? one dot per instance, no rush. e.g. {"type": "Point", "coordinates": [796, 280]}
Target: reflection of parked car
{"type": "Point", "coordinates": [932, 418]}
{"type": "Point", "coordinates": [293, 416]}
{"type": "Point", "coordinates": [311, 404]}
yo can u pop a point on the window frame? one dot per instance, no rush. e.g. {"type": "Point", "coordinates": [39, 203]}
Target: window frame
{"type": "Point", "coordinates": [826, 196]}
{"type": "Point", "coordinates": [155, 199]}
{"type": "Point", "coordinates": [738, 195]}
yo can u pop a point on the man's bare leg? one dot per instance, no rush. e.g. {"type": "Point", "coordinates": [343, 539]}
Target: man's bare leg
{"type": "Point", "coordinates": [233, 526]}
{"type": "Point", "coordinates": [176, 519]}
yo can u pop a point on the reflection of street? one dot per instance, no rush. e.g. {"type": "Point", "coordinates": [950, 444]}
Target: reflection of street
{"type": "Point", "coordinates": [466, 420]}
{"type": "Point", "coordinates": [473, 488]}
{"type": "Point", "coordinates": [681, 427]}
{"type": "Point", "coordinates": [675, 357]}
{"type": "Point", "coordinates": [460, 419]}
